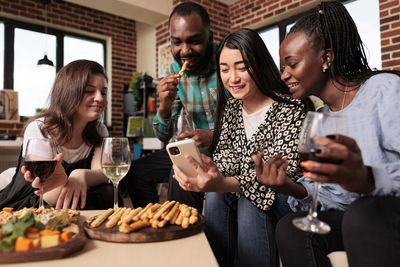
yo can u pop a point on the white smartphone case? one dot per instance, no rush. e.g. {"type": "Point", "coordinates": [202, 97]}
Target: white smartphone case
{"type": "Point", "coordinates": [178, 150]}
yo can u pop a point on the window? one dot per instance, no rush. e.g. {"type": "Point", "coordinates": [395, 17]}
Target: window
{"type": "Point", "coordinates": [78, 48]}
{"type": "Point", "coordinates": [23, 44]}
{"type": "Point", "coordinates": [32, 83]}
{"type": "Point", "coordinates": [365, 14]}
{"type": "Point", "coordinates": [1, 55]}
{"type": "Point", "coordinates": [271, 40]}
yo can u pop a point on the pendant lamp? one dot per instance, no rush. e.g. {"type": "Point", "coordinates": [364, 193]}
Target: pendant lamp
{"type": "Point", "coordinates": [45, 62]}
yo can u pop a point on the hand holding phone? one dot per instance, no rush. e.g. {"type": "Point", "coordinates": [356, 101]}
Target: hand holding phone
{"type": "Point", "coordinates": [178, 150]}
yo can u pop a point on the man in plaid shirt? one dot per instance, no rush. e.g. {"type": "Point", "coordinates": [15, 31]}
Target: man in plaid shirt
{"type": "Point", "coordinates": [191, 40]}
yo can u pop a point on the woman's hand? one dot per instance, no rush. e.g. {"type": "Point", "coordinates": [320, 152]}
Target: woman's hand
{"type": "Point", "coordinates": [273, 174]}
{"type": "Point", "coordinates": [56, 179]}
{"type": "Point", "coordinates": [208, 178]}
{"type": "Point", "coordinates": [203, 138]}
{"type": "Point", "coordinates": [72, 191]}
{"type": "Point", "coordinates": [349, 170]}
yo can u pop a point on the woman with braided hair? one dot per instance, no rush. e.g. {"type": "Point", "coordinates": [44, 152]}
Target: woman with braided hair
{"type": "Point", "coordinates": [323, 55]}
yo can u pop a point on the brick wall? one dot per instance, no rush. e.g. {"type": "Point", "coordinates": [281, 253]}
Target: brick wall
{"type": "Point", "coordinates": [121, 30]}
{"type": "Point", "coordinates": [247, 13]}
{"type": "Point", "coordinates": [219, 16]}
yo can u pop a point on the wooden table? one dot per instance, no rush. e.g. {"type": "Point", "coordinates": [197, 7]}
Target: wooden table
{"type": "Point", "coordinates": [190, 251]}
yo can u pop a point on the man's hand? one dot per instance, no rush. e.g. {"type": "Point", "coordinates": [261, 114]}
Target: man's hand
{"type": "Point", "coordinates": [166, 90]}
{"type": "Point", "coordinates": [348, 171]}
{"type": "Point", "coordinates": [56, 179]}
{"type": "Point", "coordinates": [203, 138]}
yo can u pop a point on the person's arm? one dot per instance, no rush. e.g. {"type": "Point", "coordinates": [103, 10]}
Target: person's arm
{"type": "Point", "coordinates": [163, 127]}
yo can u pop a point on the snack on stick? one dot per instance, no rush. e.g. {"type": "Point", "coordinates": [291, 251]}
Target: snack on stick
{"type": "Point", "coordinates": [163, 209]}
{"type": "Point", "coordinates": [99, 220]}
{"type": "Point", "coordinates": [114, 220]}
{"type": "Point", "coordinates": [182, 71]}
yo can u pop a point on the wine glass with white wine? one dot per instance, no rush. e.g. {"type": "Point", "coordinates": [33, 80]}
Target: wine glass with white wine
{"type": "Point", "coordinates": [317, 124]}
{"type": "Point", "coordinates": [115, 161]}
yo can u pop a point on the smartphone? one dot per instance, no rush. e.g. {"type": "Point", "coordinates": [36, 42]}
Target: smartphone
{"type": "Point", "coordinates": [178, 150]}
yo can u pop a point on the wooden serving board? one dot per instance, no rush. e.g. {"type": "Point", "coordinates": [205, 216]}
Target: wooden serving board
{"type": "Point", "coordinates": [147, 234]}
{"type": "Point", "coordinates": [75, 244]}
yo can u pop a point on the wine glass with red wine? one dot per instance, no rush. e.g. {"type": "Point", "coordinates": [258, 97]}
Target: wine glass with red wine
{"type": "Point", "coordinates": [317, 124]}
{"type": "Point", "coordinates": [39, 157]}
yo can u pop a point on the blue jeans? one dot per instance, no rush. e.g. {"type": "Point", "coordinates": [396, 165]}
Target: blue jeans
{"type": "Point", "coordinates": [236, 225]}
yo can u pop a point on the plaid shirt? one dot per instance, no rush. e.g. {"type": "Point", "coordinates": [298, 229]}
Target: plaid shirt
{"type": "Point", "coordinates": [198, 93]}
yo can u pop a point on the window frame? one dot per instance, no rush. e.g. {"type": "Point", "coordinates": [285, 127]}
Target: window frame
{"type": "Point", "coordinates": [9, 38]}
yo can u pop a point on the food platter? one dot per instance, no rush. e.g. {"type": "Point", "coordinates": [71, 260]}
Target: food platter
{"type": "Point", "coordinates": [148, 234]}
{"type": "Point", "coordinates": [75, 244]}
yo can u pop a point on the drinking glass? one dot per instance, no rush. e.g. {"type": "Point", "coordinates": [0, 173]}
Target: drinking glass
{"type": "Point", "coordinates": [39, 157]}
{"type": "Point", "coordinates": [115, 161]}
{"type": "Point", "coordinates": [316, 124]}
{"type": "Point", "coordinates": [182, 124]}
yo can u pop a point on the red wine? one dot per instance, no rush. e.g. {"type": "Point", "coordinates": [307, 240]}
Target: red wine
{"type": "Point", "coordinates": [304, 156]}
{"type": "Point", "coordinates": [42, 168]}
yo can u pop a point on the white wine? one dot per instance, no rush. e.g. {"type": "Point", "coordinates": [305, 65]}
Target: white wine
{"type": "Point", "coordinates": [115, 172]}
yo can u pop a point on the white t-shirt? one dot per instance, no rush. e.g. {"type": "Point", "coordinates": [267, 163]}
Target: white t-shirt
{"type": "Point", "coordinates": [70, 155]}
{"type": "Point", "coordinates": [253, 120]}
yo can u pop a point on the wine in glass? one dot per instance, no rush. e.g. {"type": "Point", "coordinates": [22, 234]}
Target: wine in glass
{"type": "Point", "coordinates": [39, 157]}
{"type": "Point", "coordinates": [316, 124]}
{"type": "Point", "coordinates": [115, 161]}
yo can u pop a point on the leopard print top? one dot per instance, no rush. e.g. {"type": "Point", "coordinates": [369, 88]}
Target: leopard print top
{"type": "Point", "coordinates": [279, 133]}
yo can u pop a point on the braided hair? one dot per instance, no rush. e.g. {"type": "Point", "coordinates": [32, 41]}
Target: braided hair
{"type": "Point", "coordinates": [330, 26]}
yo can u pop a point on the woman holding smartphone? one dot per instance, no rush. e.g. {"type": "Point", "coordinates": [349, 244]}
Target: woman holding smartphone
{"type": "Point", "coordinates": [73, 123]}
{"type": "Point", "coordinates": [260, 116]}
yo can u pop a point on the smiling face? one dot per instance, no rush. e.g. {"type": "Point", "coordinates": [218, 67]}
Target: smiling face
{"type": "Point", "coordinates": [302, 66]}
{"type": "Point", "coordinates": [190, 40]}
{"type": "Point", "coordinates": [94, 99]}
{"type": "Point", "coordinates": [235, 77]}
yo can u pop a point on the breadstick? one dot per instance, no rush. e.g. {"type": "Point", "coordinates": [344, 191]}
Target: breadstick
{"type": "Point", "coordinates": [175, 217]}
{"type": "Point", "coordinates": [172, 212]}
{"type": "Point", "coordinates": [184, 66]}
{"type": "Point", "coordinates": [162, 223]}
{"type": "Point", "coordinates": [185, 222]}
{"type": "Point", "coordinates": [155, 223]}
{"type": "Point", "coordinates": [99, 220]}
{"type": "Point", "coordinates": [125, 213]}
{"type": "Point", "coordinates": [131, 214]}
{"type": "Point", "coordinates": [137, 217]}
{"type": "Point", "coordinates": [163, 209]}
{"type": "Point", "coordinates": [117, 211]}
{"type": "Point", "coordinates": [194, 216]}
{"type": "Point", "coordinates": [139, 225]}
{"type": "Point", "coordinates": [151, 210]}
{"type": "Point", "coordinates": [114, 220]}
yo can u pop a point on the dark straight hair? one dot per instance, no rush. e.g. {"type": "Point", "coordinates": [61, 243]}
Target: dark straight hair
{"type": "Point", "coordinates": [330, 26]}
{"type": "Point", "coordinates": [260, 66]}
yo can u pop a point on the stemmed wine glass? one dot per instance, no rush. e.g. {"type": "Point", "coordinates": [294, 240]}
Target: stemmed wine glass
{"type": "Point", "coordinates": [115, 161]}
{"type": "Point", "coordinates": [182, 124]}
{"type": "Point", "coordinates": [316, 124]}
{"type": "Point", "coordinates": [39, 157]}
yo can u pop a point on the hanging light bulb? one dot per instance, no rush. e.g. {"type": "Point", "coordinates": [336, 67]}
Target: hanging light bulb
{"type": "Point", "coordinates": [45, 62]}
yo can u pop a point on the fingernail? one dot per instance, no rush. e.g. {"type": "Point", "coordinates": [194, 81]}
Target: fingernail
{"type": "Point", "coordinates": [306, 164]}
{"type": "Point", "coordinates": [307, 174]}
{"type": "Point", "coordinates": [316, 151]}
{"type": "Point", "coordinates": [331, 136]}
